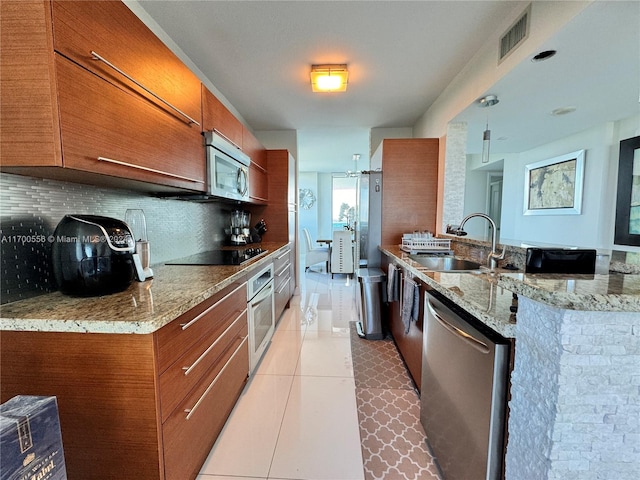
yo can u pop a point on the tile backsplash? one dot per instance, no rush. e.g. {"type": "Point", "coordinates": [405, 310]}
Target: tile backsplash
{"type": "Point", "coordinates": [30, 209]}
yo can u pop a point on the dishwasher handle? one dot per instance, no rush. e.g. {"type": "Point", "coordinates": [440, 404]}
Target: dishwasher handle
{"type": "Point", "coordinates": [464, 336]}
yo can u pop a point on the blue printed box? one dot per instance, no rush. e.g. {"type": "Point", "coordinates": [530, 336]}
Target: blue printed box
{"type": "Point", "coordinates": [30, 439]}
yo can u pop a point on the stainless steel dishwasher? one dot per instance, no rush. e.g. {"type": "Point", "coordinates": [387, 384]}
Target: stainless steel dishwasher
{"type": "Point", "coordinates": [464, 391]}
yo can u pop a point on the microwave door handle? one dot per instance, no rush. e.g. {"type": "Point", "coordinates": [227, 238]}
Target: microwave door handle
{"type": "Point", "coordinates": [243, 184]}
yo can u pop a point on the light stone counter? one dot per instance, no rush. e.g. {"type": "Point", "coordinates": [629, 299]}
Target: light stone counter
{"type": "Point", "coordinates": [573, 408]}
{"type": "Point", "coordinates": [141, 309]}
{"type": "Point", "coordinates": [488, 297]}
{"type": "Point", "coordinates": [478, 294]}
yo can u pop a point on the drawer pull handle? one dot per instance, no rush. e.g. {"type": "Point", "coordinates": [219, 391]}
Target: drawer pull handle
{"type": "Point", "coordinates": [259, 167]}
{"type": "Point", "coordinates": [147, 169]}
{"type": "Point", "coordinates": [188, 370]}
{"type": "Point", "coordinates": [284, 269]}
{"type": "Point", "coordinates": [284, 254]}
{"type": "Point", "coordinates": [155, 95]}
{"type": "Point", "coordinates": [284, 284]}
{"type": "Point", "coordinates": [184, 326]}
{"type": "Point", "coordinates": [227, 138]}
{"type": "Point", "coordinates": [192, 410]}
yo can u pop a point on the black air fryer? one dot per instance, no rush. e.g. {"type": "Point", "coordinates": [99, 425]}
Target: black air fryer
{"type": "Point", "coordinates": [92, 255]}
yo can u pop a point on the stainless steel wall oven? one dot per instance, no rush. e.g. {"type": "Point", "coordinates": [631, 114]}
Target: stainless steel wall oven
{"type": "Point", "coordinates": [260, 309]}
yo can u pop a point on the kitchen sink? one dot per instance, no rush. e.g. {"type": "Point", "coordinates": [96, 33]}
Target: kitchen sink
{"type": "Point", "coordinates": [445, 264]}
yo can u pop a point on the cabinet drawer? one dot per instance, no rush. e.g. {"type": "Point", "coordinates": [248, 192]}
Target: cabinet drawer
{"type": "Point", "coordinates": [184, 374]}
{"type": "Point", "coordinates": [208, 320]}
{"type": "Point", "coordinates": [282, 296]}
{"type": "Point", "coordinates": [281, 260]}
{"type": "Point", "coordinates": [113, 31]}
{"type": "Point", "coordinates": [99, 121]}
{"type": "Point", "coordinates": [192, 429]}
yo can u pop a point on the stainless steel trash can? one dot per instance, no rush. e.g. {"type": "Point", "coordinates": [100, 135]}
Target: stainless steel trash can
{"type": "Point", "coordinates": [369, 303]}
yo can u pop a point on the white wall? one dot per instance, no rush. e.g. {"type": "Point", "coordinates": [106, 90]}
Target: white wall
{"type": "Point", "coordinates": [279, 139]}
{"type": "Point", "coordinates": [332, 149]}
{"type": "Point", "coordinates": [481, 73]}
{"type": "Point", "coordinates": [308, 218]}
{"type": "Point", "coordinates": [594, 227]}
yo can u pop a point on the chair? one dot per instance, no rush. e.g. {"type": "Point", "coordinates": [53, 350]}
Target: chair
{"type": "Point", "coordinates": [342, 252]}
{"type": "Point", "coordinates": [315, 255]}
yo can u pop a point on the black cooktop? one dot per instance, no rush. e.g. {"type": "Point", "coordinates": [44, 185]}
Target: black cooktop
{"type": "Point", "coordinates": [220, 257]}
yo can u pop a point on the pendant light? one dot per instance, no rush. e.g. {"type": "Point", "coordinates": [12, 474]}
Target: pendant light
{"type": "Point", "coordinates": [488, 101]}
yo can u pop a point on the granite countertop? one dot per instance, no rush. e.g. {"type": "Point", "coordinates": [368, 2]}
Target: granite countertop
{"type": "Point", "coordinates": [141, 309]}
{"type": "Point", "coordinates": [488, 296]}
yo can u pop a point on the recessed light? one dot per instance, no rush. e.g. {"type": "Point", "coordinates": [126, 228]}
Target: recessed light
{"type": "Point", "coordinates": [546, 55]}
{"type": "Point", "coordinates": [563, 111]}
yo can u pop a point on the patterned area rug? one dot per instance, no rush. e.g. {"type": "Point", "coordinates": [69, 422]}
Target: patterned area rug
{"type": "Point", "coordinates": [393, 440]}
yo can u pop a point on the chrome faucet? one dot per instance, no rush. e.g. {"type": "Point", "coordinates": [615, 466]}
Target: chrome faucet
{"type": "Point", "coordinates": [493, 255]}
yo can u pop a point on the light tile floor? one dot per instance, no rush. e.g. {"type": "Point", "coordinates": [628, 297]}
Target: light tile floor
{"type": "Point", "coordinates": [297, 417]}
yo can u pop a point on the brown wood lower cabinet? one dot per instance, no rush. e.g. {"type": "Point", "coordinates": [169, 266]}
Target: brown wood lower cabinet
{"type": "Point", "coordinates": [283, 281]}
{"type": "Point", "coordinates": [124, 411]}
{"type": "Point", "coordinates": [409, 343]}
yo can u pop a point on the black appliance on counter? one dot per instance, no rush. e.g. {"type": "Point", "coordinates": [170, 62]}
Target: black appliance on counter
{"type": "Point", "coordinates": [93, 255]}
{"type": "Point", "coordinates": [560, 260]}
{"type": "Point", "coordinates": [220, 257]}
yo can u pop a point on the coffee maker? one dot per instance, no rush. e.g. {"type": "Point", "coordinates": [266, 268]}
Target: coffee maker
{"type": "Point", "coordinates": [240, 231]}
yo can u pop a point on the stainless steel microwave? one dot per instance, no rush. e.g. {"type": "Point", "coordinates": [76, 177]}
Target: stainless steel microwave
{"type": "Point", "coordinates": [227, 168]}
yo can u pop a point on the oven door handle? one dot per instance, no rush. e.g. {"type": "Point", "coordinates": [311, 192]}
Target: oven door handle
{"type": "Point", "coordinates": [262, 295]}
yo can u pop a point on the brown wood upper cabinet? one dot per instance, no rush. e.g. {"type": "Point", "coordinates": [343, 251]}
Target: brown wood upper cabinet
{"type": "Point", "coordinates": [111, 31]}
{"type": "Point", "coordinates": [409, 186]}
{"type": "Point", "coordinates": [137, 119]}
{"type": "Point", "coordinates": [215, 116]}
{"type": "Point", "coordinates": [258, 177]}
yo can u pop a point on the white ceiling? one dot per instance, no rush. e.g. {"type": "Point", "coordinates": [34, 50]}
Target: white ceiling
{"type": "Point", "coordinates": [401, 55]}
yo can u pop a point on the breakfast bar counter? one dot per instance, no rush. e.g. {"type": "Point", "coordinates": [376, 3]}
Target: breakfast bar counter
{"type": "Point", "coordinates": [574, 383]}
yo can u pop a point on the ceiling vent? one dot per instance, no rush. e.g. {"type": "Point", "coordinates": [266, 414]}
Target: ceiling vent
{"type": "Point", "coordinates": [513, 37]}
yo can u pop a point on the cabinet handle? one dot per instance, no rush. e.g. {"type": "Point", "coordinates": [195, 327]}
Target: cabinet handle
{"type": "Point", "coordinates": [227, 138]}
{"type": "Point", "coordinates": [284, 284]}
{"type": "Point", "coordinates": [284, 254]}
{"type": "Point", "coordinates": [147, 169]}
{"type": "Point", "coordinates": [470, 339]}
{"type": "Point", "coordinates": [284, 269]}
{"type": "Point", "coordinates": [184, 326]}
{"type": "Point", "coordinates": [192, 410]}
{"type": "Point", "coordinates": [188, 370]}
{"type": "Point", "coordinates": [259, 167]}
{"type": "Point", "coordinates": [156, 96]}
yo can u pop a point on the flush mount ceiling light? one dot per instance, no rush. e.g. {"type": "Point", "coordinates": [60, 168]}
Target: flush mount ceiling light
{"type": "Point", "coordinates": [329, 78]}
{"type": "Point", "coordinates": [488, 101]}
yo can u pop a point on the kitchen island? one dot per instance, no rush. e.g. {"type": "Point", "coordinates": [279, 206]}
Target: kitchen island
{"type": "Point", "coordinates": [573, 411]}
{"type": "Point", "coordinates": [145, 378]}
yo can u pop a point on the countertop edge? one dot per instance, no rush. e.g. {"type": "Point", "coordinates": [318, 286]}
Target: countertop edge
{"type": "Point", "coordinates": [142, 327]}
{"type": "Point", "coordinates": [557, 299]}
{"type": "Point", "coordinates": [501, 325]}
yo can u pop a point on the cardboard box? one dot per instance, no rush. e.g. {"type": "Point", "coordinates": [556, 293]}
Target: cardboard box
{"type": "Point", "coordinates": [30, 439]}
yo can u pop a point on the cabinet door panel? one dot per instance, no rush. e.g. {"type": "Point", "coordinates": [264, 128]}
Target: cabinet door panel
{"type": "Point", "coordinates": [28, 109]}
{"type": "Point", "coordinates": [191, 430]}
{"type": "Point", "coordinates": [99, 120]}
{"type": "Point", "coordinates": [215, 116]}
{"type": "Point", "coordinates": [173, 339]}
{"type": "Point", "coordinates": [113, 31]}
{"type": "Point", "coordinates": [187, 372]}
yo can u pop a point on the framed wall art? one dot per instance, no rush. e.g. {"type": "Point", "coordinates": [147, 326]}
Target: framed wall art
{"type": "Point", "coordinates": [554, 186]}
{"type": "Point", "coordinates": [627, 231]}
